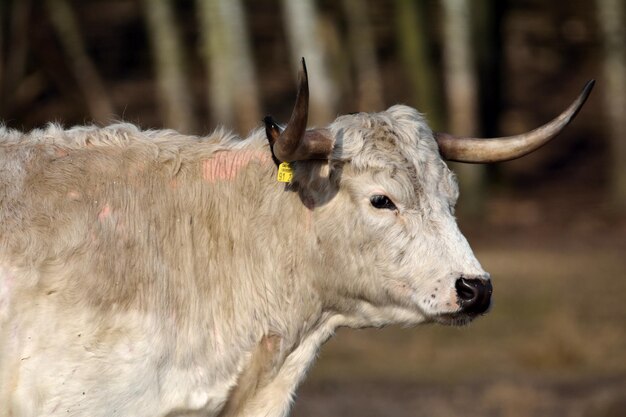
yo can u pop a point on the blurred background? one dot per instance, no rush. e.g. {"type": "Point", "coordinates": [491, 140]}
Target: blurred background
{"type": "Point", "coordinates": [551, 227]}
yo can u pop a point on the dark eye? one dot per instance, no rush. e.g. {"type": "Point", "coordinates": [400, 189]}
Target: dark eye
{"type": "Point", "coordinates": [382, 202]}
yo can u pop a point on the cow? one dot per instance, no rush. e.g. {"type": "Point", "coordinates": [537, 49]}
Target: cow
{"type": "Point", "coordinates": [149, 273]}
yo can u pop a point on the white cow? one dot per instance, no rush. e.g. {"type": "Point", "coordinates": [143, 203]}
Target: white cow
{"type": "Point", "coordinates": [147, 273]}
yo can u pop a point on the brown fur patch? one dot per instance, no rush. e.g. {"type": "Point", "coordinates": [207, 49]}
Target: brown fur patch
{"type": "Point", "coordinates": [254, 377]}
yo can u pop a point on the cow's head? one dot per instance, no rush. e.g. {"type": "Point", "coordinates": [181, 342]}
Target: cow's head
{"type": "Point", "coordinates": [383, 215]}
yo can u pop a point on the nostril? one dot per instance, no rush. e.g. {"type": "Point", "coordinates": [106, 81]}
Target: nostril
{"type": "Point", "coordinates": [474, 294]}
{"type": "Point", "coordinates": [465, 291]}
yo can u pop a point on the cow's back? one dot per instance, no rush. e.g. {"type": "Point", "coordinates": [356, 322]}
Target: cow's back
{"type": "Point", "coordinates": [110, 193]}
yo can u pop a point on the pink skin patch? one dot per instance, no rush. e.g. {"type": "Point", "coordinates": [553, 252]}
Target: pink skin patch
{"type": "Point", "coordinates": [73, 195]}
{"type": "Point", "coordinates": [452, 301]}
{"type": "Point", "coordinates": [104, 213]}
{"type": "Point", "coordinates": [225, 166]}
{"type": "Point", "coordinates": [60, 152]}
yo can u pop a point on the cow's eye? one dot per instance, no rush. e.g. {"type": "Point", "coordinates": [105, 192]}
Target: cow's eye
{"type": "Point", "coordinates": [382, 202]}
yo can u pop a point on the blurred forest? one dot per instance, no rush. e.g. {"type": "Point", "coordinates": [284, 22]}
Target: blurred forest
{"type": "Point", "coordinates": [554, 219]}
{"type": "Point", "coordinates": [482, 67]}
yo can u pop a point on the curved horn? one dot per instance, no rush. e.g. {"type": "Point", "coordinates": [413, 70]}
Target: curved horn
{"type": "Point", "coordinates": [289, 139]}
{"type": "Point", "coordinates": [478, 150]}
{"type": "Point", "coordinates": [295, 143]}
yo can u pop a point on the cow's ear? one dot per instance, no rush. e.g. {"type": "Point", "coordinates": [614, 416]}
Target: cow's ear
{"type": "Point", "coordinates": [316, 182]}
{"type": "Point", "coordinates": [272, 132]}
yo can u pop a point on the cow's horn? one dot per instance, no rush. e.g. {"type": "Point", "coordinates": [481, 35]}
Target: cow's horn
{"type": "Point", "coordinates": [479, 150]}
{"type": "Point", "coordinates": [295, 143]}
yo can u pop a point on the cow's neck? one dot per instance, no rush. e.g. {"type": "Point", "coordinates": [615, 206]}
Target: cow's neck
{"type": "Point", "coordinates": [265, 312]}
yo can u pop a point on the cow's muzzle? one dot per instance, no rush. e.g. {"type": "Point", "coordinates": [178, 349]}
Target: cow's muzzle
{"type": "Point", "coordinates": [474, 295]}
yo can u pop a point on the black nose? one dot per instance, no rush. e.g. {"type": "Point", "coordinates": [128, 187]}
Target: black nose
{"type": "Point", "coordinates": [474, 294]}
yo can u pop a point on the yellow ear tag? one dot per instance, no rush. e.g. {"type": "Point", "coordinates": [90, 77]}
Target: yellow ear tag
{"type": "Point", "coordinates": [285, 173]}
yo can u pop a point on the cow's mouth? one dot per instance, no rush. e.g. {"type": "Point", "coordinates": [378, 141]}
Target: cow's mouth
{"type": "Point", "coordinates": [462, 317]}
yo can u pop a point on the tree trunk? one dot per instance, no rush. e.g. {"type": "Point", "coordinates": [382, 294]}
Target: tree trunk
{"type": "Point", "coordinates": [363, 50]}
{"type": "Point", "coordinates": [301, 20]}
{"type": "Point", "coordinates": [462, 98]}
{"type": "Point", "coordinates": [2, 76]}
{"type": "Point", "coordinates": [611, 22]}
{"type": "Point", "coordinates": [15, 63]}
{"type": "Point", "coordinates": [413, 41]}
{"type": "Point", "coordinates": [488, 47]}
{"type": "Point", "coordinates": [85, 72]}
{"type": "Point", "coordinates": [175, 99]}
{"type": "Point", "coordinates": [233, 96]}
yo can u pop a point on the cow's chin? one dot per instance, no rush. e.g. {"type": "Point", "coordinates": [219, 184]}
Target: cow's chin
{"type": "Point", "coordinates": [454, 319]}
